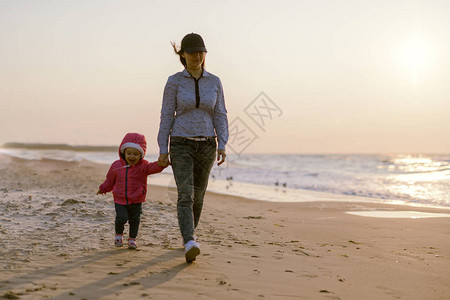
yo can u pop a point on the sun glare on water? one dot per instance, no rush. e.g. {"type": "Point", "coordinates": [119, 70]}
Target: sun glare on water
{"type": "Point", "coordinates": [409, 170]}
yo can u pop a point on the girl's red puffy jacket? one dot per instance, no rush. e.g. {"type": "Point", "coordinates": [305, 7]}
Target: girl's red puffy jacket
{"type": "Point", "coordinates": [129, 183]}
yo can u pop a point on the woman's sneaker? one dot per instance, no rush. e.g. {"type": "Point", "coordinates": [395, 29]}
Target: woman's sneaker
{"type": "Point", "coordinates": [132, 244]}
{"type": "Point", "coordinates": [118, 241]}
{"type": "Point", "coordinates": [191, 251]}
{"type": "Point", "coordinates": [183, 244]}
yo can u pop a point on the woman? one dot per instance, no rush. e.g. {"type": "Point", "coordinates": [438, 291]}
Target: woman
{"type": "Point", "coordinates": [193, 114]}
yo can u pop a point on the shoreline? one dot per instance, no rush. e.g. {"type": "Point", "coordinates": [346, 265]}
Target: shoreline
{"type": "Point", "coordinates": [58, 242]}
{"type": "Point", "coordinates": [262, 192]}
{"type": "Point", "coordinates": [289, 195]}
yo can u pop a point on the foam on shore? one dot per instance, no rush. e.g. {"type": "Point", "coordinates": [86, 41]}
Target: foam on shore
{"type": "Point", "coordinates": [278, 194]}
{"type": "Point", "coordinates": [398, 214]}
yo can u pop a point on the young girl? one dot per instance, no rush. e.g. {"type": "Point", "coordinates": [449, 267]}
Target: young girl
{"type": "Point", "coordinates": [127, 179]}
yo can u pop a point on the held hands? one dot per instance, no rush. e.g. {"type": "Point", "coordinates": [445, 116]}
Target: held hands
{"type": "Point", "coordinates": [221, 156]}
{"type": "Point", "coordinates": [100, 192]}
{"type": "Point", "coordinates": [163, 160]}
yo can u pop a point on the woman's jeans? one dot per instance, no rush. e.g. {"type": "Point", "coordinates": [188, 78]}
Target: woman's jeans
{"type": "Point", "coordinates": [130, 213]}
{"type": "Point", "coordinates": [191, 164]}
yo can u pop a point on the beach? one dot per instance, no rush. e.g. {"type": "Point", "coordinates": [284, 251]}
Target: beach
{"type": "Point", "coordinates": [57, 242]}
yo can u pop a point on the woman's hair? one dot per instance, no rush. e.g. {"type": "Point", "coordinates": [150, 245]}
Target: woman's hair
{"type": "Point", "coordinates": [180, 52]}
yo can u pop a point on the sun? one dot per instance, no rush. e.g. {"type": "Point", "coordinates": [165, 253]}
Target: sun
{"type": "Point", "coordinates": [415, 55]}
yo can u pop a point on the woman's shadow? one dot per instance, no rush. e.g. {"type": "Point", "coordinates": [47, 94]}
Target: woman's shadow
{"type": "Point", "coordinates": [110, 286]}
{"type": "Point", "coordinates": [113, 283]}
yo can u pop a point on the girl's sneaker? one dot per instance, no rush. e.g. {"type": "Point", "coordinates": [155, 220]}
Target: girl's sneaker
{"type": "Point", "coordinates": [118, 241]}
{"type": "Point", "coordinates": [132, 243]}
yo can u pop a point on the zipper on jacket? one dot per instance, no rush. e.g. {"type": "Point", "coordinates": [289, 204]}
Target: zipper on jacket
{"type": "Point", "coordinates": [126, 185]}
{"type": "Point", "coordinates": [197, 92]}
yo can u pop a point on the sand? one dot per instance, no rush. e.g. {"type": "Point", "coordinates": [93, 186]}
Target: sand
{"type": "Point", "coordinates": [57, 242]}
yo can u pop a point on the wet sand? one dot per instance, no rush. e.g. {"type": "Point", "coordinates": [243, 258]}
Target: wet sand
{"type": "Point", "coordinates": [57, 242]}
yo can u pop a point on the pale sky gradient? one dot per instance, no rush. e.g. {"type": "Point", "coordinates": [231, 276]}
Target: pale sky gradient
{"type": "Point", "coordinates": [349, 76]}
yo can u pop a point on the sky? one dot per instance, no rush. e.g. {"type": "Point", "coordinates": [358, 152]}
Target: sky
{"type": "Point", "coordinates": [318, 76]}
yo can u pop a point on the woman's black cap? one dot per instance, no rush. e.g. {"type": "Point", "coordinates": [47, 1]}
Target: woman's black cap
{"type": "Point", "coordinates": [193, 42]}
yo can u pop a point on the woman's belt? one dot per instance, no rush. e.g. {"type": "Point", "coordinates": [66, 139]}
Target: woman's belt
{"type": "Point", "coordinates": [199, 138]}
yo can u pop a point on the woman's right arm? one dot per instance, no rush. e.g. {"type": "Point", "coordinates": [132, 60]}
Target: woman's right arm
{"type": "Point", "coordinates": [163, 160]}
{"type": "Point", "coordinates": [167, 116]}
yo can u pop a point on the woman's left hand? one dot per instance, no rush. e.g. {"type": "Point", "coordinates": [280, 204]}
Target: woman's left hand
{"type": "Point", "coordinates": [221, 156]}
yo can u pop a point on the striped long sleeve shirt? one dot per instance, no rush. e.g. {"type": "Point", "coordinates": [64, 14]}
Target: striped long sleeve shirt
{"type": "Point", "coordinates": [192, 108]}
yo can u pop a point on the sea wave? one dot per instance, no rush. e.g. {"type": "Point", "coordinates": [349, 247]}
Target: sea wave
{"type": "Point", "coordinates": [416, 179]}
{"type": "Point", "coordinates": [64, 147]}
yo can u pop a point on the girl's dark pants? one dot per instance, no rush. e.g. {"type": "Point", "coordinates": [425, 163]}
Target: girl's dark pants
{"type": "Point", "coordinates": [131, 214]}
{"type": "Point", "coordinates": [191, 164]}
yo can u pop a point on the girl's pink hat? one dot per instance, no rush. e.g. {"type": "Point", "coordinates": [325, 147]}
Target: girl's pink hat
{"type": "Point", "coordinates": [131, 145]}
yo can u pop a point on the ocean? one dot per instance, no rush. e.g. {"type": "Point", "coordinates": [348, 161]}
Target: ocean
{"type": "Point", "coordinates": [411, 179]}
